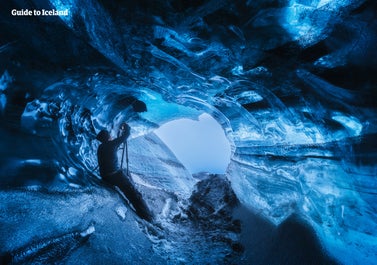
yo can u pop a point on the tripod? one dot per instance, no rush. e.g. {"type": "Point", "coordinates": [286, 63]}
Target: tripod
{"type": "Point", "coordinates": [125, 147]}
{"type": "Point", "coordinates": [123, 127]}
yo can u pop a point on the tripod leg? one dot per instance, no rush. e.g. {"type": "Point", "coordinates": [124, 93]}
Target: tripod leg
{"type": "Point", "coordinates": [128, 173]}
{"type": "Point", "coordinates": [121, 163]}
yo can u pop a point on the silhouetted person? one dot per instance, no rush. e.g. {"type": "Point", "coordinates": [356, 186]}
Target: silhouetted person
{"type": "Point", "coordinates": [113, 175]}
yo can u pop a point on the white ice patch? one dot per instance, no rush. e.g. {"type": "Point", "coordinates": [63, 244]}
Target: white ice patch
{"type": "Point", "coordinates": [238, 70]}
{"type": "Point", "coordinates": [32, 162]}
{"type": "Point", "coordinates": [73, 185]}
{"type": "Point", "coordinates": [137, 179]}
{"type": "Point", "coordinates": [88, 231]}
{"type": "Point", "coordinates": [323, 2]}
{"type": "Point", "coordinates": [166, 209]}
{"type": "Point", "coordinates": [352, 124]}
{"type": "Point", "coordinates": [72, 171]}
{"type": "Point", "coordinates": [248, 97]}
{"type": "Point", "coordinates": [121, 212]}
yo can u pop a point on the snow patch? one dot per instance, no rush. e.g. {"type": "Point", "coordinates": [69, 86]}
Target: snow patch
{"type": "Point", "coordinates": [121, 211]}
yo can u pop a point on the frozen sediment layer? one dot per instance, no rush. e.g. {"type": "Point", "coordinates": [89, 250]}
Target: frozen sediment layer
{"type": "Point", "coordinates": [314, 183]}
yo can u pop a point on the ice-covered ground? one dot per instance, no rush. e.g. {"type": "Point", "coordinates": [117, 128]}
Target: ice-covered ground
{"type": "Point", "coordinates": [95, 226]}
{"type": "Point", "coordinates": [42, 227]}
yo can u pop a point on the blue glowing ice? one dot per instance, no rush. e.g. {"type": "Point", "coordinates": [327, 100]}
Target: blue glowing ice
{"type": "Point", "coordinates": [289, 84]}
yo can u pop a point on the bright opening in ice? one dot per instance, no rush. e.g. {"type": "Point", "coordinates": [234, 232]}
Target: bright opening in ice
{"type": "Point", "coordinates": [200, 145]}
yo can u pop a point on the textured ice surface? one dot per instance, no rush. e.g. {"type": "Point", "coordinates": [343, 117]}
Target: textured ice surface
{"type": "Point", "coordinates": [157, 166]}
{"type": "Point", "coordinates": [52, 219]}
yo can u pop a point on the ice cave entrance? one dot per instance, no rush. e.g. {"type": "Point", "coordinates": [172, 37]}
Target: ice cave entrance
{"type": "Point", "coordinates": [200, 145]}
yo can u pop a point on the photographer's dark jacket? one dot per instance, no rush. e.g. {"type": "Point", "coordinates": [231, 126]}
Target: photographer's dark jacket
{"type": "Point", "coordinates": [107, 156]}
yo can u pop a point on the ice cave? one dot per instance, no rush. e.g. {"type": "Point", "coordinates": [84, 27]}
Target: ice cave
{"type": "Point", "coordinates": [252, 140]}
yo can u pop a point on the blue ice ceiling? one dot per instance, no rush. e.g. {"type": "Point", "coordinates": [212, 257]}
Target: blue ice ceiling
{"type": "Point", "coordinates": [292, 83]}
